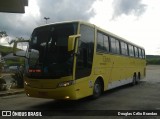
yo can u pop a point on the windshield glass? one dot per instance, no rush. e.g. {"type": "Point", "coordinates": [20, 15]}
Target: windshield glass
{"type": "Point", "coordinates": [49, 57]}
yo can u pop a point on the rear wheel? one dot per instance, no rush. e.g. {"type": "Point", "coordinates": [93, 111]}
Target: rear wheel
{"type": "Point", "coordinates": [97, 89]}
{"type": "Point", "coordinates": [138, 79]}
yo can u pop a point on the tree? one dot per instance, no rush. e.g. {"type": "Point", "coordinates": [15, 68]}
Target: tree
{"type": "Point", "coordinates": [3, 34]}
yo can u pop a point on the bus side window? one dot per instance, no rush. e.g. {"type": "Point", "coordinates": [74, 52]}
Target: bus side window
{"type": "Point", "coordinates": [102, 42]}
{"type": "Point", "coordinates": [99, 41]}
{"type": "Point", "coordinates": [140, 53]}
{"type": "Point", "coordinates": [143, 54]}
{"type": "Point", "coordinates": [124, 49]}
{"type": "Point", "coordinates": [136, 51]}
{"type": "Point", "coordinates": [115, 45]}
{"type": "Point", "coordinates": [131, 51]}
{"type": "Point", "coordinates": [106, 43]}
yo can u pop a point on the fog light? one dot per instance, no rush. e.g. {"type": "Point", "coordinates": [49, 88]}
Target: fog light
{"type": "Point", "coordinates": [28, 95]}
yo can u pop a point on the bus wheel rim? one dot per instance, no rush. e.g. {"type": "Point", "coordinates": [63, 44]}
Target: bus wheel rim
{"type": "Point", "coordinates": [97, 88]}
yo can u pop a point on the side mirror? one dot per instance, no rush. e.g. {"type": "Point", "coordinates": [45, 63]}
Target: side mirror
{"type": "Point", "coordinates": [71, 41]}
{"type": "Point", "coordinates": [20, 48]}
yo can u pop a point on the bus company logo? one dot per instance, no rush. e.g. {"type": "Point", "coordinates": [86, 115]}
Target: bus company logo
{"type": "Point", "coordinates": [6, 113]}
{"type": "Point", "coordinates": [20, 113]}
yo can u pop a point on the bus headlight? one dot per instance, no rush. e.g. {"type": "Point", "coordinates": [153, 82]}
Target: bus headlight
{"type": "Point", "coordinates": [66, 83]}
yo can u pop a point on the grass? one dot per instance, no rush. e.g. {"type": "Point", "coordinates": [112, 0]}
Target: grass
{"type": "Point", "coordinates": [5, 50]}
{"type": "Point", "coordinates": [10, 62]}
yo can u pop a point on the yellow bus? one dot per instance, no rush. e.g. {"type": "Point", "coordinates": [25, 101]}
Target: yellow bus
{"type": "Point", "coordinates": [73, 60]}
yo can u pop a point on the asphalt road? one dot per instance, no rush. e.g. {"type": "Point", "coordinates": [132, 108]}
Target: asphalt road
{"type": "Point", "coordinates": [144, 96]}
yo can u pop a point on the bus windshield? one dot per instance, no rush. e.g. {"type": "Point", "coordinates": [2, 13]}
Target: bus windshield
{"type": "Point", "coordinates": [51, 58]}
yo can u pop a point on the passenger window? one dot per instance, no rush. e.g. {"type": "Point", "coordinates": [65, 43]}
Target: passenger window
{"type": "Point", "coordinates": [143, 54]}
{"type": "Point", "coordinates": [102, 42]}
{"type": "Point", "coordinates": [99, 42]}
{"type": "Point", "coordinates": [124, 49]}
{"type": "Point", "coordinates": [140, 53]}
{"type": "Point", "coordinates": [106, 43]}
{"type": "Point", "coordinates": [136, 51]}
{"type": "Point", "coordinates": [117, 47]}
{"type": "Point", "coordinates": [114, 45]}
{"type": "Point", "coordinates": [131, 51]}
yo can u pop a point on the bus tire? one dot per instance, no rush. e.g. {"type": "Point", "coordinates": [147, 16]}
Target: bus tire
{"type": "Point", "coordinates": [97, 89]}
{"type": "Point", "coordinates": [138, 78]}
{"type": "Point", "coordinates": [134, 80]}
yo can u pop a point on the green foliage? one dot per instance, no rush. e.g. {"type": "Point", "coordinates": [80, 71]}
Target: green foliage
{"type": "Point", "coordinates": [5, 50]}
{"type": "Point", "coordinates": [3, 34]}
{"type": "Point", "coordinates": [153, 59]}
{"type": "Point", "coordinates": [10, 62]}
{"type": "Point", "coordinates": [15, 62]}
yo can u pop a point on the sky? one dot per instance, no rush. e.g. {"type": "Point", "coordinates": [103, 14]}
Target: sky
{"type": "Point", "coordinates": [137, 21]}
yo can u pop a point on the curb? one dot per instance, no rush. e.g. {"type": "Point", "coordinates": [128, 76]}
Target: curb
{"type": "Point", "coordinates": [11, 92]}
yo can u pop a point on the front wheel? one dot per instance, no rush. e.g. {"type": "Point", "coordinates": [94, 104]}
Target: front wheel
{"type": "Point", "coordinates": [97, 89]}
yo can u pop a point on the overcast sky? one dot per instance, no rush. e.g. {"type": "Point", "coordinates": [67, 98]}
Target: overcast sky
{"type": "Point", "coordinates": [135, 20]}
